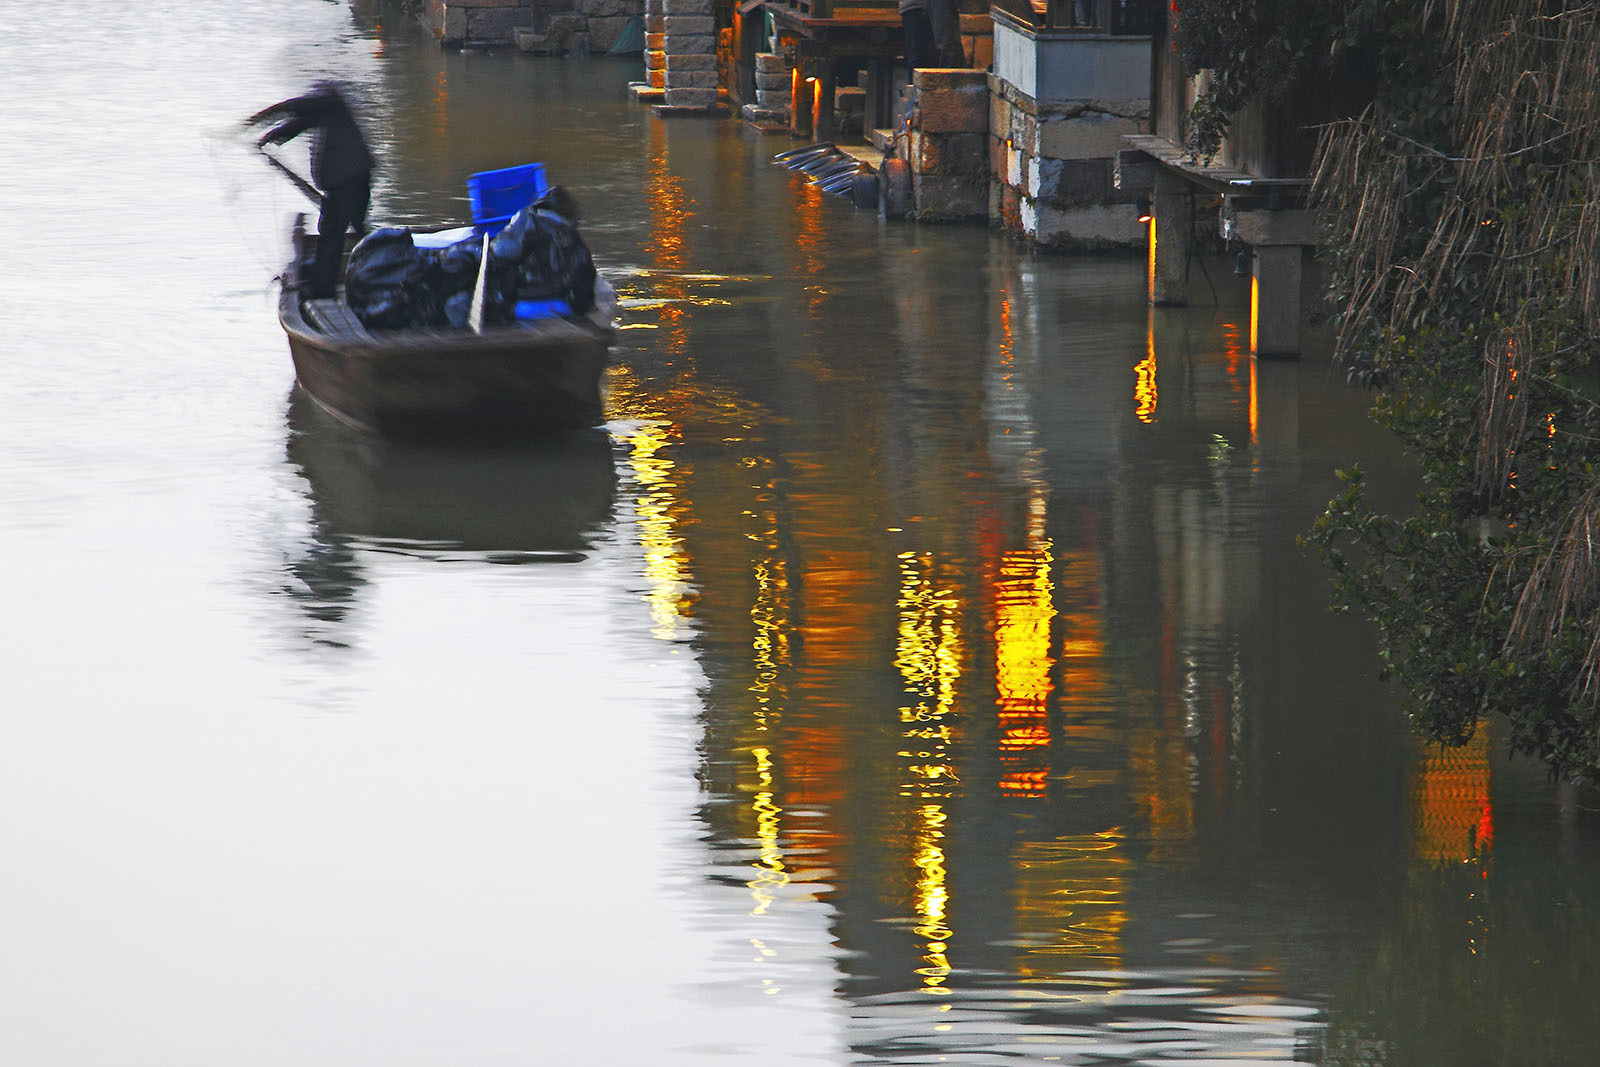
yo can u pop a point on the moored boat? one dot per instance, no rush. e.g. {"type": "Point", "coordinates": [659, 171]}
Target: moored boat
{"type": "Point", "coordinates": [521, 379]}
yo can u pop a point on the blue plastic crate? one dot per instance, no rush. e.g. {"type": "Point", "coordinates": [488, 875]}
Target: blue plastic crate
{"type": "Point", "coordinates": [497, 195]}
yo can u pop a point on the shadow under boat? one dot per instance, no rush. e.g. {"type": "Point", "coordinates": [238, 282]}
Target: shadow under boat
{"type": "Point", "coordinates": [542, 500]}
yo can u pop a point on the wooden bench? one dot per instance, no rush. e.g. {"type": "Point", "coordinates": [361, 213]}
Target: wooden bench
{"type": "Point", "coordinates": [335, 317]}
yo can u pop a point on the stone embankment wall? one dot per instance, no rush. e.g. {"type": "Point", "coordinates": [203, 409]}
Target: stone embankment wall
{"type": "Point", "coordinates": [774, 85]}
{"type": "Point", "coordinates": [554, 27]}
{"type": "Point", "coordinates": [943, 141]}
{"type": "Point", "coordinates": [680, 58]}
{"type": "Point", "coordinates": [1053, 169]}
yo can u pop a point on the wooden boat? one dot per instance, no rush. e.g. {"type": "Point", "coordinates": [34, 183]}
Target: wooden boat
{"type": "Point", "coordinates": [521, 380]}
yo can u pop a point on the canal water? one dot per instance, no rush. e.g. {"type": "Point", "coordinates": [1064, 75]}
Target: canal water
{"type": "Point", "coordinates": [919, 668]}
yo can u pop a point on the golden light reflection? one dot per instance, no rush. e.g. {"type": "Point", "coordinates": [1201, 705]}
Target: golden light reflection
{"type": "Point", "coordinates": [1008, 355]}
{"type": "Point", "coordinates": [770, 650]}
{"type": "Point", "coordinates": [808, 223]}
{"type": "Point", "coordinates": [838, 582]}
{"type": "Point", "coordinates": [1150, 272]}
{"type": "Point", "coordinates": [1144, 385]}
{"type": "Point", "coordinates": [1071, 901]}
{"type": "Point", "coordinates": [1023, 661]}
{"type": "Point", "coordinates": [771, 873]}
{"type": "Point", "coordinates": [932, 898]}
{"type": "Point", "coordinates": [1453, 814]}
{"type": "Point", "coordinates": [670, 212]}
{"type": "Point", "coordinates": [1255, 309]}
{"type": "Point", "coordinates": [928, 656]}
{"type": "Point", "coordinates": [657, 516]}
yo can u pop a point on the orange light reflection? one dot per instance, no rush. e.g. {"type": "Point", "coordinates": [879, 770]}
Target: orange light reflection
{"type": "Point", "coordinates": [1452, 809]}
{"type": "Point", "coordinates": [1144, 385]}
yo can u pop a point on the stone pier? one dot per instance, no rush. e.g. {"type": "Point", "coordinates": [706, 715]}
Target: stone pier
{"type": "Point", "coordinates": [943, 144]}
{"type": "Point", "coordinates": [688, 57]}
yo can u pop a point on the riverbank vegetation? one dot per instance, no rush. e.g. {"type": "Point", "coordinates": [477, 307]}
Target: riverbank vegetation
{"type": "Point", "coordinates": [1464, 246]}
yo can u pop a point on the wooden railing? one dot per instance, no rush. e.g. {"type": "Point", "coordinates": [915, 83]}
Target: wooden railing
{"type": "Point", "coordinates": [1120, 18]}
{"type": "Point", "coordinates": [839, 9]}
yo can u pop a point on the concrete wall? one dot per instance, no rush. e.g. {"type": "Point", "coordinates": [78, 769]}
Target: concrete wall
{"type": "Point", "coordinates": [1059, 107]}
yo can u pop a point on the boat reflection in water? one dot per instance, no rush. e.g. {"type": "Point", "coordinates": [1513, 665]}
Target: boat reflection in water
{"type": "Point", "coordinates": [539, 501]}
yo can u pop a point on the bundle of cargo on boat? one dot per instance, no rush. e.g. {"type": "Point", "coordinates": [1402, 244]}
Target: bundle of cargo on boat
{"type": "Point", "coordinates": [537, 266]}
{"type": "Point", "coordinates": [493, 330]}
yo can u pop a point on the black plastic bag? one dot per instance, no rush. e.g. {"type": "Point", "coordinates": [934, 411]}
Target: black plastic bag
{"type": "Point", "coordinates": [456, 276]}
{"type": "Point", "coordinates": [551, 261]}
{"type": "Point", "coordinates": [386, 281]}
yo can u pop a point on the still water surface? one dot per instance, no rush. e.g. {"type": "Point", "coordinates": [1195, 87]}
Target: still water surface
{"type": "Point", "coordinates": [918, 669]}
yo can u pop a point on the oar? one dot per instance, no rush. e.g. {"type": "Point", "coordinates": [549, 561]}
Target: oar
{"type": "Point", "coordinates": [299, 183]}
{"type": "Point", "coordinates": [475, 315]}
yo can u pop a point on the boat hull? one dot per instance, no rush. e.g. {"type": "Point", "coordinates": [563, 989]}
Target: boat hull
{"type": "Point", "coordinates": [520, 380]}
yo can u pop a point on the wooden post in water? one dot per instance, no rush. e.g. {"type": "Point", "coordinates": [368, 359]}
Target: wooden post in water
{"type": "Point", "coordinates": [881, 87]}
{"type": "Point", "coordinates": [822, 119]}
{"type": "Point", "coordinates": [800, 102]}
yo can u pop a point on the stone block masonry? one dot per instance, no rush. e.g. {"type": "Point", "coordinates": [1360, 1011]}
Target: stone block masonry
{"type": "Point", "coordinates": [681, 55]}
{"type": "Point", "coordinates": [1052, 164]}
{"type": "Point", "coordinates": [774, 77]}
{"type": "Point", "coordinates": [546, 27]}
{"type": "Point", "coordinates": [943, 145]}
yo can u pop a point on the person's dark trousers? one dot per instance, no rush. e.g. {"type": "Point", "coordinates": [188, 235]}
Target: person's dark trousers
{"type": "Point", "coordinates": [944, 22]}
{"type": "Point", "coordinates": [344, 208]}
{"type": "Point", "coordinates": [919, 39]}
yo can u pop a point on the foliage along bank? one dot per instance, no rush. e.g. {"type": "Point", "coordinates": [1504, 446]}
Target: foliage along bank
{"type": "Point", "coordinates": [1464, 243]}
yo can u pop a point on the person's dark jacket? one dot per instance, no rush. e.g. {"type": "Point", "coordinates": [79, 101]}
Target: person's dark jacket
{"type": "Point", "coordinates": [339, 152]}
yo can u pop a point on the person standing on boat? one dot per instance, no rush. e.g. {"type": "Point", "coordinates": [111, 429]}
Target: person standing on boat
{"type": "Point", "coordinates": [341, 169]}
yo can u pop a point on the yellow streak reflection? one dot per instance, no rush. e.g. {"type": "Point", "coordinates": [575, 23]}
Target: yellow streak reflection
{"type": "Point", "coordinates": [1024, 609]}
{"type": "Point", "coordinates": [771, 873]}
{"type": "Point", "coordinates": [1144, 386]}
{"type": "Point", "coordinates": [1255, 308]}
{"type": "Point", "coordinates": [1072, 890]}
{"type": "Point", "coordinates": [932, 897]}
{"type": "Point", "coordinates": [669, 219]}
{"type": "Point", "coordinates": [928, 656]}
{"type": "Point", "coordinates": [1150, 272]}
{"type": "Point", "coordinates": [665, 567]}
{"type": "Point", "coordinates": [770, 648]}
{"type": "Point", "coordinates": [1255, 404]}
